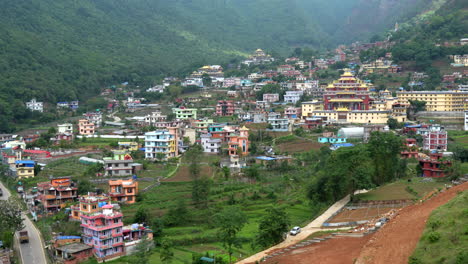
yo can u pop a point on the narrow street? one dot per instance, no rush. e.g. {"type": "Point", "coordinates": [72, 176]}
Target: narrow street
{"type": "Point", "coordinates": [32, 252]}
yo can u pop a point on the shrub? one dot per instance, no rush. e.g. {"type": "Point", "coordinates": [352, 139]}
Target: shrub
{"type": "Point", "coordinates": [433, 237]}
{"type": "Point", "coordinates": [435, 224]}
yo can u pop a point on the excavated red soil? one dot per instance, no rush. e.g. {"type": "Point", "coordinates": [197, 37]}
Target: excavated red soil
{"type": "Point", "coordinates": [393, 243]}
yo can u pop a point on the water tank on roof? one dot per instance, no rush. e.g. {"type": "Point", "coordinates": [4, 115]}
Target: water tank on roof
{"type": "Point", "coordinates": [351, 132]}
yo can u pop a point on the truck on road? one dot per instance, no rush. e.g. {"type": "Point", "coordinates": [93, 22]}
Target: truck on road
{"type": "Point", "coordinates": [23, 236]}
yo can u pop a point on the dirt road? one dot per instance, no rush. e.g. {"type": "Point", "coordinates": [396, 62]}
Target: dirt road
{"type": "Point", "coordinates": [393, 243]}
{"type": "Point", "coordinates": [396, 241]}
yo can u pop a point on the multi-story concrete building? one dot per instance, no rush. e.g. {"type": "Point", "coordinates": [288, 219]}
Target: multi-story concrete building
{"type": "Point", "coordinates": [238, 142]}
{"type": "Point", "coordinates": [437, 100]}
{"type": "Point", "coordinates": [85, 127]}
{"type": "Point", "coordinates": [225, 108]}
{"type": "Point", "coordinates": [123, 191]}
{"type": "Point", "coordinates": [435, 138]}
{"type": "Point", "coordinates": [24, 168]}
{"type": "Point", "coordinates": [293, 96]}
{"type": "Point", "coordinates": [119, 165]}
{"type": "Point", "coordinates": [185, 113]}
{"type": "Point", "coordinates": [277, 123]}
{"type": "Point", "coordinates": [102, 228]}
{"type": "Point", "coordinates": [154, 117]}
{"type": "Point", "coordinates": [65, 128]}
{"type": "Point", "coordinates": [434, 166]}
{"type": "Point", "coordinates": [271, 97]}
{"type": "Point", "coordinates": [210, 144]}
{"type": "Point", "coordinates": [203, 124]}
{"type": "Point", "coordinates": [94, 117]}
{"type": "Point", "coordinates": [34, 105]}
{"type": "Point", "coordinates": [161, 144]}
{"type": "Point", "coordinates": [292, 112]}
{"type": "Point", "coordinates": [308, 108]}
{"type": "Point", "coordinates": [54, 195]}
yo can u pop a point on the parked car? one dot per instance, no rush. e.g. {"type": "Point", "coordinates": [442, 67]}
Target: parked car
{"type": "Point", "coordinates": [296, 230]}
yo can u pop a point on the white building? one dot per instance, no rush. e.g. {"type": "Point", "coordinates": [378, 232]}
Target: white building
{"type": "Point", "coordinates": [293, 96]}
{"type": "Point", "coordinates": [94, 117]}
{"type": "Point", "coordinates": [154, 118]}
{"type": "Point", "coordinates": [466, 120]}
{"type": "Point", "coordinates": [65, 128]}
{"type": "Point", "coordinates": [34, 105]}
{"type": "Point", "coordinates": [209, 144]}
{"type": "Point", "coordinates": [160, 144]}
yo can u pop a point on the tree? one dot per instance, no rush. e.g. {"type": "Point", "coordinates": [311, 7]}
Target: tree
{"type": "Point", "coordinates": [141, 215]}
{"type": "Point", "coordinates": [10, 218]}
{"type": "Point", "coordinates": [272, 227]}
{"type": "Point", "coordinates": [85, 186]}
{"type": "Point", "coordinates": [206, 80]}
{"type": "Point", "coordinates": [229, 222]}
{"type": "Point", "coordinates": [157, 225]}
{"type": "Point", "coordinates": [393, 123]}
{"type": "Point", "coordinates": [143, 251]}
{"type": "Point", "coordinates": [201, 192]}
{"type": "Point", "coordinates": [384, 148]}
{"type": "Point", "coordinates": [226, 173]}
{"type": "Point", "coordinates": [166, 255]}
{"type": "Point", "coordinates": [176, 215]}
{"type": "Point", "coordinates": [416, 106]}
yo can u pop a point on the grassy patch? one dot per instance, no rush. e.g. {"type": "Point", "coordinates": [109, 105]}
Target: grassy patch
{"type": "Point", "coordinates": [399, 190]}
{"type": "Point", "coordinates": [445, 238]}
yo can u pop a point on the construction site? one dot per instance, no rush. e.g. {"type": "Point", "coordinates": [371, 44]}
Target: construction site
{"type": "Point", "coordinates": [365, 233]}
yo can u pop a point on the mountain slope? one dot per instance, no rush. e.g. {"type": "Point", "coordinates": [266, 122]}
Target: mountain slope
{"type": "Point", "coordinates": [64, 50]}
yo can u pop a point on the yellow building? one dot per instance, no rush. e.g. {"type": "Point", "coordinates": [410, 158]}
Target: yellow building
{"type": "Point", "coordinates": [439, 101]}
{"type": "Point", "coordinates": [129, 145]}
{"type": "Point", "coordinates": [24, 169]}
{"type": "Point", "coordinates": [356, 116]}
{"type": "Point", "coordinates": [309, 107]}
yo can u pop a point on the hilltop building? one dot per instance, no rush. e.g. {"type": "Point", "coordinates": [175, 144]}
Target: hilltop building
{"type": "Point", "coordinates": [185, 113]}
{"type": "Point", "coordinates": [34, 105]}
{"type": "Point", "coordinates": [239, 142]}
{"type": "Point", "coordinates": [225, 108]}
{"type": "Point", "coordinates": [119, 165]}
{"type": "Point", "coordinates": [348, 100]}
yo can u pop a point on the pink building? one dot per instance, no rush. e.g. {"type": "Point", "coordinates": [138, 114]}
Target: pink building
{"type": "Point", "coordinates": [239, 142]}
{"type": "Point", "coordinates": [225, 108]}
{"type": "Point", "coordinates": [271, 97]}
{"type": "Point", "coordinates": [292, 112]}
{"type": "Point", "coordinates": [102, 228]}
{"type": "Point", "coordinates": [85, 127]}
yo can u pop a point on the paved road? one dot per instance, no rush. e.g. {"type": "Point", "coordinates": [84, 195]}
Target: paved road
{"type": "Point", "coordinates": [32, 252]}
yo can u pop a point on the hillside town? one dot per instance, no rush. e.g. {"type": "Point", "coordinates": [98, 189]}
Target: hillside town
{"type": "Point", "coordinates": [99, 173]}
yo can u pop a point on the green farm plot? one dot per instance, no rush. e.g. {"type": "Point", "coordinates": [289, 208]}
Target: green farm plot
{"type": "Point", "coordinates": [399, 190]}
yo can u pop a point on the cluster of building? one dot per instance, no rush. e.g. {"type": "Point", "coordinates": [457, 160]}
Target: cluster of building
{"type": "Point", "coordinates": [34, 105]}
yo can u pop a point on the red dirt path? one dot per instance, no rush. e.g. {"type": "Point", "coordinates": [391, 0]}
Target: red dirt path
{"type": "Point", "coordinates": [393, 243]}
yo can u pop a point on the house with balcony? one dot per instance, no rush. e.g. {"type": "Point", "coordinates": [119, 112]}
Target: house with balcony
{"type": "Point", "coordinates": [24, 168]}
{"type": "Point", "coordinates": [64, 128]}
{"type": "Point", "coordinates": [201, 125]}
{"type": "Point", "coordinates": [276, 123]}
{"type": "Point", "coordinates": [210, 144]}
{"type": "Point", "coordinates": [85, 127]}
{"type": "Point", "coordinates": [121, 164]}
{"type": "Point", "coordinates": [225, 108]}
{"type": "Point", "coordinates": [90, 203]}
{"type": "Point", "coordinates": [161, 144]}
{"type": "Point", "coordinates": [271, 98]}
{"type": "Point", "coordinates": [434, 166]}
{"type": "Point", "coordinates": [292, 112]}
{"type": "Point", "coordinates": [123, 191]}
{"type": "Point", "coordinates": [55, 194]}
{"type": "Point", "coordinates": [434, 138]}
{"type": "Point", "coordinates": [239, 142]}
{"type": "Point", "coordinates": [293, 96]}
{"type": "Point", "coordinates": [102, 228]}
{"type": "Point", "coordinates": [94, 117]}
{"type": "Point", "coordinates": [185, 113]}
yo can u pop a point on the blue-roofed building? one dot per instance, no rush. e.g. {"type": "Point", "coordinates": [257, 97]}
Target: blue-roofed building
{"type": "Point", "coordinates": [341, 145]}
{"type": "Point", "coordinates": [25, 168]}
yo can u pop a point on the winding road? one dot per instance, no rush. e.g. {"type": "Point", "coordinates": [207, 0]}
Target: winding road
{"type": "Point", "coordinates": [32, 252]}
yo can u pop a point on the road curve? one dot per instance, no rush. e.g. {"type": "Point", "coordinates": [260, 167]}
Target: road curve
{"type": "Point", "coordinates": [32, 252]}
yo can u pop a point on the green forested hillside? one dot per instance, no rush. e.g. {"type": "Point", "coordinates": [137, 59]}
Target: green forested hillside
{"type": "Point", "coordinates": [64, 50]}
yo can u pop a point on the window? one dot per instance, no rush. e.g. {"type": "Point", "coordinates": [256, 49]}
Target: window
{"type": "Point", "coordinates": [94, 207]}
{"type": "Point", "coordinates": [85, 207]}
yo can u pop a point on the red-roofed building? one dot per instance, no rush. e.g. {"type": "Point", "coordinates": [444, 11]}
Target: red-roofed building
{"type": "Point", "coordinates": [434, 166]}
